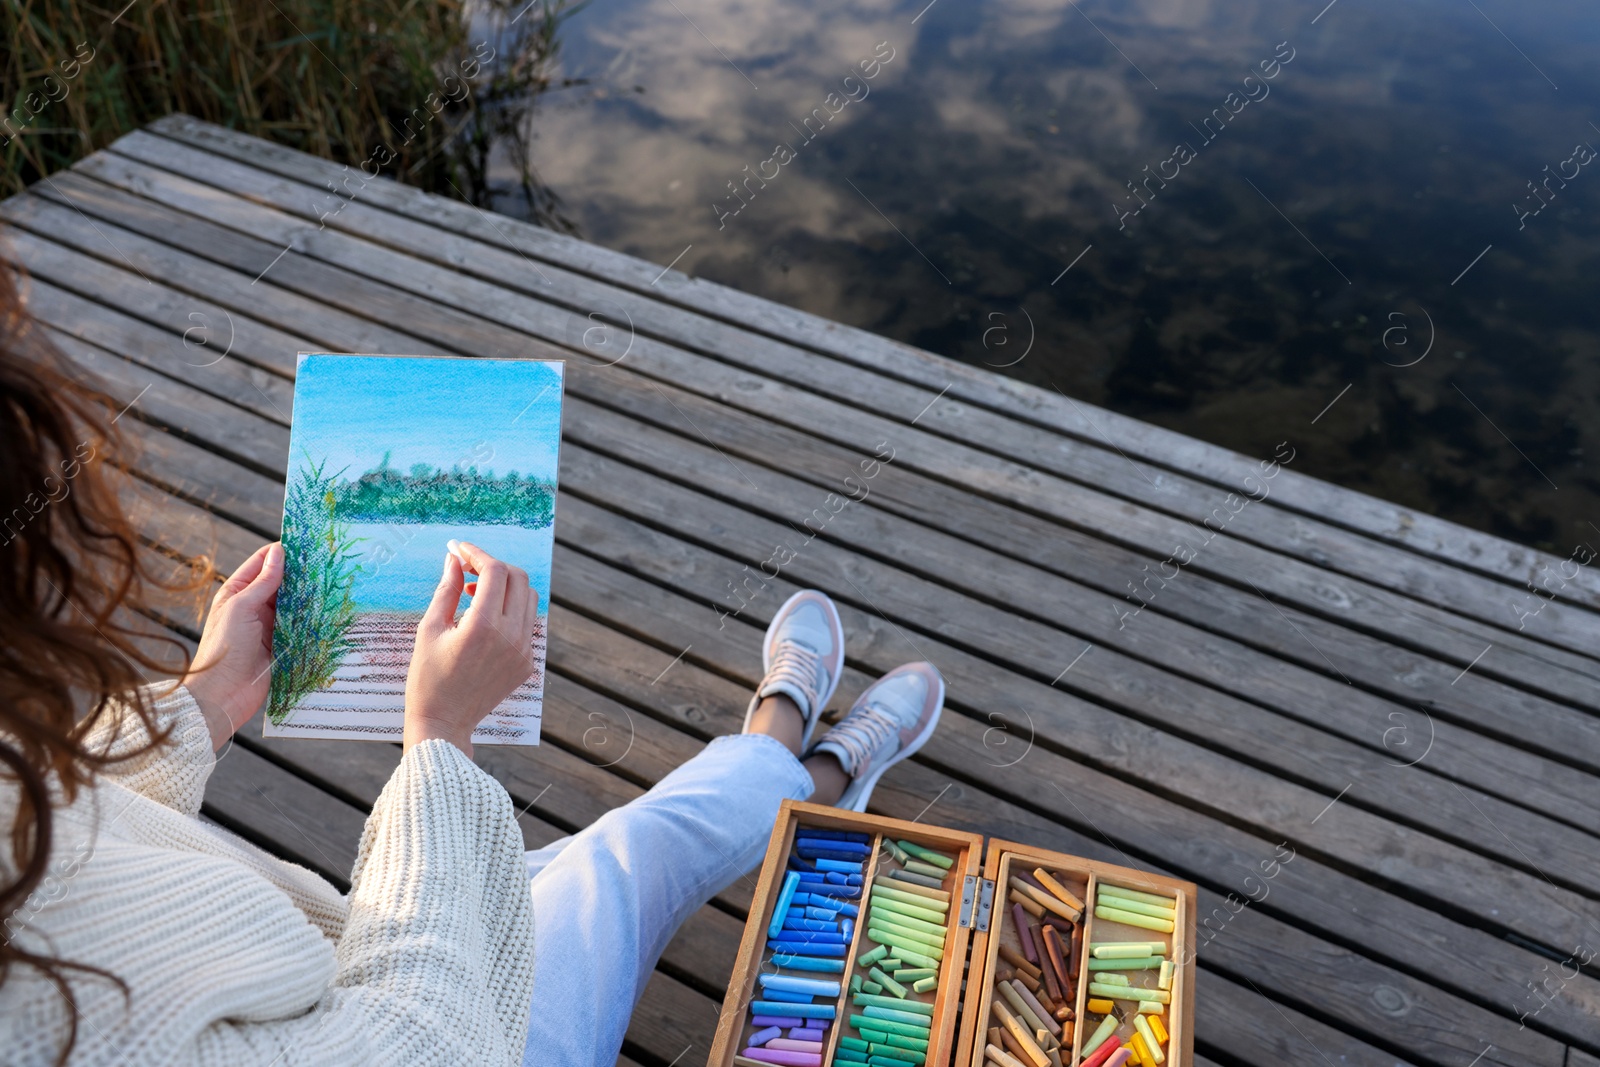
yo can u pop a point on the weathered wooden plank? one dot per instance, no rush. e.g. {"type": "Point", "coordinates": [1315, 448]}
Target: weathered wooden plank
{"type": "Point", "coordinates": [1516, 714]}
{"type": "Point", "coordinates": [1423, 534]}
{"type": "Point", "coordinates": [1414, 937]}
{"type": "Point", "coordinates": [1310, 585]}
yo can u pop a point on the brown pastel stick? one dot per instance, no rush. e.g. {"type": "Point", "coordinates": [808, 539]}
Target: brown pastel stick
{"type": "Point", "coordinates": [1028, 980]}
{"type": "Point", "coordinates": [1052, 974]}
{"type": "Point", "coordinates": [1076, 955]}
{"type": "Point", "coordinates": [1004, 974]}
{"type": "Point", "coordinates": [1049, 902]}
{"type": "Point", "coordinates": [1053, 952]}
{"type": "Point", "coordinates": [1013, 957]}
{"type": "Point", "coordinates": [1031, 906]}
{"type": "Point", "coordinates": [1059, 923]}
{"type": "Point", "coordinates": [995, 1033]}
{"type": "Point", "coordinates": [1066, 895]}
{"type": "Point", "coordinates": [1043, 996]}
{"type": "Point", "coordinates": [1006, 1041]}
{"type": "Point", "coordinates": [1032, 1052]}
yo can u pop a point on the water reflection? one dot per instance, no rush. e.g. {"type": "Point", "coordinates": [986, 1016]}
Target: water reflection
{"type": "Point", "coordinates": [1218, 216]}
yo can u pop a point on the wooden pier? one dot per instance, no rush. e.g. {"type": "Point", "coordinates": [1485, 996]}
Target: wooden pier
{"type": "Point", "coordinates": [1338, 717]}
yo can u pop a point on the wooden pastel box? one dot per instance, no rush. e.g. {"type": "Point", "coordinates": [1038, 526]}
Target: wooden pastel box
{"type": "Point", "coordinates": [974, 988]}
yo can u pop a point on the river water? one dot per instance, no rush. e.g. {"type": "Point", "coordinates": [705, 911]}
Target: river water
{"type": "Point", "coordinates": [1365, 228]}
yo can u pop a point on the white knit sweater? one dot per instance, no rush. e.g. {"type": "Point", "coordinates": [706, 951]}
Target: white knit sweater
{"type": "Point", "coordinates": [232, 957]}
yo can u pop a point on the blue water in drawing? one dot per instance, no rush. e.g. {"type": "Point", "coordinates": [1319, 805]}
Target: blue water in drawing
{"type": "Point", "coordinates": [401, 564]}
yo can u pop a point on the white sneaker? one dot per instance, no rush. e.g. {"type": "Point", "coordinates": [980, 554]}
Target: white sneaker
{"type": "Point", "coordinates": [890, 720]}
{"type": "Point", "coordinates": [803, 656]}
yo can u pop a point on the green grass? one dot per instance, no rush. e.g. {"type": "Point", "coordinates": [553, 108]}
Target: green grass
{"type": "Point", "coordinates": [315, 611]}
{"type": "Point", "coordinates": [465, 496]}
{"type": "Point", "coordinates": [337, 78]}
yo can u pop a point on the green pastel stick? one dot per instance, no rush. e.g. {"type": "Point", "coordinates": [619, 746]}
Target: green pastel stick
{"type": "Point", "coordinates": [925, 985]}
{"type": "Point", "coordinates": [895, 850]}
{"type": "Point", "coordinates": [883, 1037]}
{"type": "Point", "coordinates": [888, 983]}
{"type": "Point", "coordinates": [913, 911]}
{"type": "Point", "coordinates": [852, 1042]}
{"type": "Point", "coordinates": [912, 878]}
{"type": "Point", "coordinates": [898, 935]}
{"type": "Point", "coordinates": [883, 1048]}
{"type": "Point", "coordinates": [914, 974]}
{"type": "Point", "coordinates": [1126, 950]}
{"type": "Point", "coordinates": [1133, 993]}
{"type": "Point", "coordinates": [909, 891]}
{"type": "Point", "coordinates": [928, 855]}
{"type": "Point", "coordinates": [877, 1059]}
{"type": "Point", "coordinates": [906, 1017]}
{"type": "Point", "coordinates": [1105, 890]}
{"type": "Point", "coordinates": [892, 1026]}
{"type": "Point", "coordinates": [850, 1055]}
{"type": "Point", "coordinates": [1138, 907]}
{"type": "Point", "coordinates": [913, 957]}
{"type": "Point", "coordinates": [889, 965]}
{"type": "Point", "coordinates": [871, 987]}
{"type": "Point", "coordinates": [866, 1000]}
{"type": "Point", "coordinates": [1128, 918]}
{"type": "Point", "coordinates": [1107, 1027]}
{"type": "Point", "coordinates": [855, 983]}
{"type": "Point", "coordinates": [1113, 979]}
{"type": "Point", "coordinates": [1147, 963]}
{"type": "Point", "coordinates": [867, 959]}
{"type": "Point", "coordinates": [928, 869]}
{"type": "Point", "coordinates": [878, 914]}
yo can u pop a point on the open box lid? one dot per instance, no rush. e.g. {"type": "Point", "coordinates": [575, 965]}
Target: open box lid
{"type": "Point", "coordinates": [988, 924]}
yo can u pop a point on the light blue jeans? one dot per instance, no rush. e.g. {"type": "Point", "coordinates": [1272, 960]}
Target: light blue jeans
{"type": "Point", "coordinates": [607, 899]}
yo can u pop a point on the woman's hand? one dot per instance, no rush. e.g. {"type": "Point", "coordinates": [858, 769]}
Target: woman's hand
{"type": "Point", "coordinates": [230, 675]}
{"type": "Point", "coordinates": [462, 670]}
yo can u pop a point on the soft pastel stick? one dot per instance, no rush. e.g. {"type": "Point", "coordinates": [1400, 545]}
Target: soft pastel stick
{"type": "Point", "coordinates": [1029, 950]}
{"type": "Point", "coordinates": [1145, 963]}
{"type": "Point", "coordinates": [791, 882]}
{"type": "Point", "coordinates": [1137, 907]}
{"type": "Point", "coordinates": [1107, 1027]}
{"type": "Point", "coordinates": [1105, 890]}
{"type": "Point", "coordinates": [926, 869]}
{"type": "Point", "coordinates": [915, 1007]}
{"type": "Point", "coordinates": [807, 1033]}
{"type": "Point", "coordinates": [807, 948]}
{"type": "Point", "coordinates": [1158, 1028]}
{"type": "Point", "coordinates": [867, 959]}
{"type": "Point", "coordinates": [824, 914]}
{"type": "Point", "coordinates": [1128, 918]}
{"type": "Point", "coordinates": [843, 907]}
{"type": "Point", "coordinates": [888, 983]}
{"type": "Point", "coordinates": [784, 1021]}
{"type": "Point", "coordinates": [912, 974]}
{"type": "Point", "coordinates": [785, 995]}
{"type": "Point", "coordinates": [806, 963]}
{"type": "Point", "coordinates": [1123, 992]}
{"type": "Point", "coordinates": [1149, 1035]}
{"type": "Point", "coordinates": [925, 985]}
{"type": "Point", "coordinates": [881, 901]}
{"type": "Point", "coordinates": [761, 1037]}
{"type": "Point", "coordinates": [893, 1026]}
{"type": "Point", "coordinates": [877, 1059]}
{"type": "Point", "coordinates": [849, 1055]}
{"type": "Point", "coordinates": [836, 835]}
{"type": "Point", "coordinates": [883, 1037]}
{"type": "Point", "coordinates": [912, 878]}
{"type": "Point", "coordinates": [816, 987]}
{"type": "Point", "coordinates": [875, 910]}
{"type": "Point", "coordinates": [1120, 1057]}
{"type": "Point", "coordinates": [927, 855]}
{"type": "Point", "coordinates": [910, 889]}
{"type": "Point", "coordinates": [789, 1044]}
{"type": "Point", "coordinates": [787, 1059]}
{"type": "Point", "coordinates": [804, 1011]}
{"type": "Point", "coordinates": [841, 866]}
{"type": "Point", "coordinates": [1151, 1007]}
{"type": "Point", "coordinates": [1165, 981]}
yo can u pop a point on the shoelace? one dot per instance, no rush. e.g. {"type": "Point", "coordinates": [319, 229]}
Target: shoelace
{"type": "Point", "coordinates": [798, 665]}
{"type": "Point", "coordinates": [863, 733]}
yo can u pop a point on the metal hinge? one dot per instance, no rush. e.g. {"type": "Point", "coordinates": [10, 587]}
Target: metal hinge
{"type": "Point", "coordinates": [980, 921]}
{"type": "Point", "coordinates": [977, 899]}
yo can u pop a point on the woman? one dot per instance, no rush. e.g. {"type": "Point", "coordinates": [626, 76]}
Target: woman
{"type": "Point", "coordinates": [135, 933]}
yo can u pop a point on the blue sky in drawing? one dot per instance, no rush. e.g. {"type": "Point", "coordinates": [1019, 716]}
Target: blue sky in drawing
{"type": "Point", "coordinates": [499, 415]}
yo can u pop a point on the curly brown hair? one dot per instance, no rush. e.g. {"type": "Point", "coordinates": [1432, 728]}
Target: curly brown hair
{"type": "Point", "coordinates": [75, 590]}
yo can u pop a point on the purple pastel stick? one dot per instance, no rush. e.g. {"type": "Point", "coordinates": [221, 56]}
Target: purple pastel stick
{"type": "Point", "coordinates": [787, 1059]}
{"type": "Point", "coordinates": [806, 1033]}
{"type": "Point", "coordinates": [1031, 951]}
{"type": "Point", "coordinates": [784, 1021]}
{"type": "Point", "coordinates": [761, 1037]}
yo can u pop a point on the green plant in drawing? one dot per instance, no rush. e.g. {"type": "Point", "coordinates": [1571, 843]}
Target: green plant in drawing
{"type": "Point", "coordinates": [315, 610]}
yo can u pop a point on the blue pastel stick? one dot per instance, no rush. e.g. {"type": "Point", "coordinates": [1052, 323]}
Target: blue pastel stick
{"type": "Point", "coordinates": [848, 848]}
{"type": "Point", "coordinates": [761, 1037]}
{"type": "Point", "coordinates": [836, 835]}
{"type": "Point", "coordinates": [790, 884]}
{"type": "Point", "coordinates": [811, 925]}
{"type": "Point", "coordinates": [805, 1011]}
{"type": "Point", "coordinates": [830, 854]}
{"type": "Point", "coordinates": [815, 987]}
{"type": "Point", "coordinates": [813, 877]}
{"type": "Point", "coordinates": [846, 928]}
{"type": "Point", "coordinates": [854, 879]}
{"type": "Point", "coordinates": [844, 866]}
{"type": "Point", "coordinates": [807, 948]}
{"type": "Point", "coordinates": [821, 914]}
{"type": "Point", "coordinates": [786, 996]}
{"type": "Point", "coordinates": [807, 963]}
{"type": "Point", "coordinates": [837, 878]}
{"type": "Point", "coordinates": [843, 907]}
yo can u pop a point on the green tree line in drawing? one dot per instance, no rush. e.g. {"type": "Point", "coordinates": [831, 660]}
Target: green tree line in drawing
{"type": "Point", "coordinates": [428, 494]}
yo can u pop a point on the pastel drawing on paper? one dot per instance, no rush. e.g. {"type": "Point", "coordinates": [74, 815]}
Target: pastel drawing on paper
{"type": "Point", "coordinates": [390, 458]}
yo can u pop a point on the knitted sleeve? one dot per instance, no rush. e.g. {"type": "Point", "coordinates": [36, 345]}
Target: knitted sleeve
{"type": "Point", "coordinates": [435, 966]}
{"type": "Point", "coordinates": [174, 773]}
